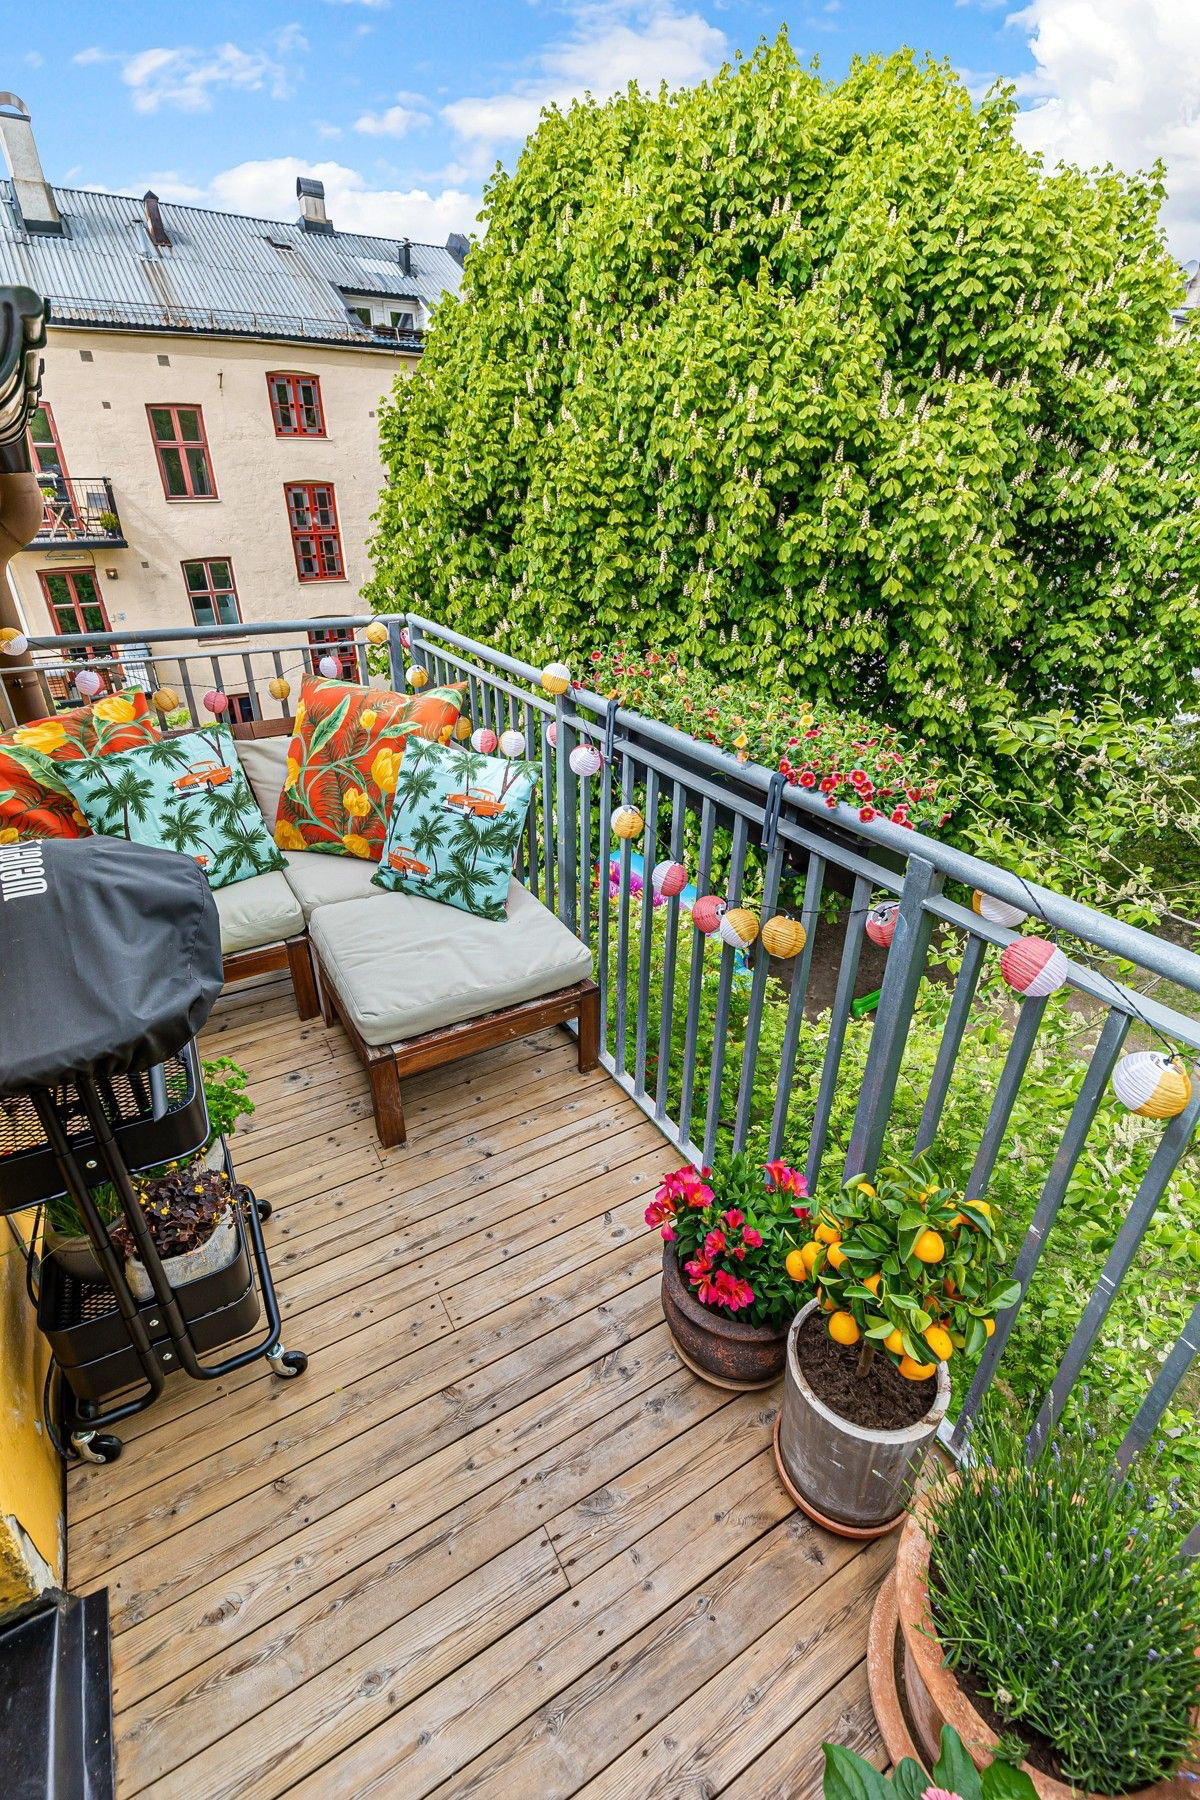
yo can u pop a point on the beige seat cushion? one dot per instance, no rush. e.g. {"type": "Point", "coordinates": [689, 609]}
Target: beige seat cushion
{"type": "Point", "coordinates": [319, 880]}
{"type": "Point", "coordinates": [402, 965]}
{"type": "Point", "coordinates": [264, 762]}
{"type": "Point", "coordinates": [262, 910]}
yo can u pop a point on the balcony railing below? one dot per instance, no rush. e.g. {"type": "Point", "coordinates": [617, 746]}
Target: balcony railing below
{"type": "Point", "coordinates": [79, 512]}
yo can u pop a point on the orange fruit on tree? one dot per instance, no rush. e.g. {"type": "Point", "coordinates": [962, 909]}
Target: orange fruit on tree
{"type": "Point", "coordinates": [982, 1206]}
{"type": "Point", "coordinates": [843, 1329]}
{"type": "Point", "coordinates": [939, 1341]}
{"type": "Point", "coordinates": [795, 1265]}
{"type": "Point", "coordinates": [810, 1253]}
{"type": "Point", "coordinates": [915, 1371]}
{"type": "Point", "coordinates": [989, 1325]}
{"type": "Point", "coordinates": [894, 1341]}
{"type": "Point", "coordinates": [827, 1305]}
{"type": "Point", "coordinates": [827, 1234]}
{"type": "Point", "coordinates": [872, 1281]}
{"type": "Point", "coordinates": [835, 1256]}
{"type": "Point", "coordinates": [930, 1247]}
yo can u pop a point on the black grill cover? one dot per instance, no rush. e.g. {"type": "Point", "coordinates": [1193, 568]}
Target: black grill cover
{"type": "Point", "coordinates": [110, 958]}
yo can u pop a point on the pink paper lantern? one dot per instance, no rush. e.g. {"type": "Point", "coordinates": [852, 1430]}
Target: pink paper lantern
{"type": "Point", "coordinates": [708, 912]}
{"type": "Point", "coordinates": [1033, 966]}
{"type": "Point", "coordinates": [484, 740]}
{"type": "Point", "coordinates": [668, 879]}
{"type": "Point", "coordinates": [87, 683]}
{"type": "Point", "coordinates": [552, 736]}
{"type": "Point", "coordinates": [881, 923]}
{"type": "Point", "coordinates": [215, 701]}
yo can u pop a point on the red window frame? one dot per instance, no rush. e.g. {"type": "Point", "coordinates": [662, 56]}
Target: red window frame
{"type": "Point", "coordinates": [54, 445]}
{"type": "Point", "coordinates": [328, 641]}
{"type": "Point", "coordinates": [212, 591]}
{"type": "Point", "coordinates": [289, 409]}
{"type": "Point", "coordinates": [316, 536]}
{"type": "Point", "coordinates": [79, 624]}
{"type": "Point", "coordinates": [180, 446]}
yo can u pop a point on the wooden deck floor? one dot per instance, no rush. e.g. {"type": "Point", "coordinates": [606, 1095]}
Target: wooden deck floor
{"type": "Point", "coordinates": [496, 1540]}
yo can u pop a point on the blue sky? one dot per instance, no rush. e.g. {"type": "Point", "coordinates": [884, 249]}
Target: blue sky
{"type": "Point", "coordinates": [403, 108]}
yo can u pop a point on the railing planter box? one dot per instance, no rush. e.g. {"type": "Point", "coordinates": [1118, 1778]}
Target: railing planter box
{"type": "Point", "coordinates": [715, 1345]}
{"type": "Point", "coordinates": [852, 1479]}
{"type": "Point", "coordinates": [914, 1694]}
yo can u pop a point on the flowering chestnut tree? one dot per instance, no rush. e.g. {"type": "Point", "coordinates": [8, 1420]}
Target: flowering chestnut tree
{"type": "Point", "coordinates": [829, 383]}
{"type": "Point", "coordinates": [731, 1228]}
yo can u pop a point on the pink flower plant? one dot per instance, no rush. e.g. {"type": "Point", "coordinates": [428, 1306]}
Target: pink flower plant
{"type": "Point", "coordinates": [731, 1228]}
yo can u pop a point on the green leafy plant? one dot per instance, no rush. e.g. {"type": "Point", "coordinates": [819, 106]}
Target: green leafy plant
{"type": "Point", "coordinates": [1059, 1587]}
{"type": "Point", "coordinates": [907, 1267]}
{"type": "Point", "coordinates": [108, 521]}
{"type": "Point", "coordinates": [224, 1095]}
{"type": "Point", "coordinates": [849, 1776]}
{"type": "Point", "coordinates": [834, 382]}
{"type": "Point", "coordinates": [732, 1228]}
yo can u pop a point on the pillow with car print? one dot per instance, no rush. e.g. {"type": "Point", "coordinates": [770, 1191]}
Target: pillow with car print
{"type": "Point", "coordinates": [346, 747]}
{"type": "Point", "coordinates": [35, 802]}
{"type": "Point", "coordinates": [185, 793]}
{"type": "Point", "coordinates": [455, 824]}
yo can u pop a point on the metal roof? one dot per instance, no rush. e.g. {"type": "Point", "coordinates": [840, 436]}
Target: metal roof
{"type": "Point", "coordinates": [222, 272]}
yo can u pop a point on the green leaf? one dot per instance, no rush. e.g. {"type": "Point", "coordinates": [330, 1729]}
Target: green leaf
{"type": "Point", "coordinates": [909, 1779]}
{"type": "Point", "coordinates": [1000, 1781]}
{"type": "Point", "coordinates": [850, 1777]}
{"type": "Point", "coordinates": [1004, 1294]}
{"type": "Point", "coordinates": [325, 728]}
{"type": "Point", "coordinates": [954, 1769]}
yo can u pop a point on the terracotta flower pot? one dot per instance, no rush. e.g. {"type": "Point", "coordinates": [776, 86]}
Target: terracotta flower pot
{"type": "Point", "coordinates": [852, 1479]}
{"type": "Point", "coordinates": [914, 1694]}
{"type": "Point", "coordinates": [715, 1344]}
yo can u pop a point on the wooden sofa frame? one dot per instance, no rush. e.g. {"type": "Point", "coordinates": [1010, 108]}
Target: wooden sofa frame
{"type": "Point", "coordinates": [386, 1063]}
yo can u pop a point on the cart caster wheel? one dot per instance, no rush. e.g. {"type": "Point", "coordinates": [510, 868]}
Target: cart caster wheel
{"type": "Point", "coordinates": [287, 1363]}
{"type": "Point", "coordinates": [96, 1446]}
{"type": "Point", "coordinates": [262, 1207]}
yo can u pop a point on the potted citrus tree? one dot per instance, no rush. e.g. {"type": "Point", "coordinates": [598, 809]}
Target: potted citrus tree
{"type": "Point", "coordinates": [727, 1234]}
{"type": "Point", "coordinates": [904, 1276]}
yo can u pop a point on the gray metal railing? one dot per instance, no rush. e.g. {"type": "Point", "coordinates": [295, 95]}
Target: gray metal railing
{"type": "Point", "coordinates": [686, 1029]}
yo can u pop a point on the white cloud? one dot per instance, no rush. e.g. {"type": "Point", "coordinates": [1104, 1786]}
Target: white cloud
{"type": "Point", "coordinates": [267, 189]}
{"type": "Point", "coordinates": [34, 58]}
{"type": "Point", "coordinates": [610, 47]}
{"type": "Point", "coordinates": [396, 122]}
{"type": "Point", "coordinates": [1118, 81]}
{"type": "Point", "coordinates": [184, 78]}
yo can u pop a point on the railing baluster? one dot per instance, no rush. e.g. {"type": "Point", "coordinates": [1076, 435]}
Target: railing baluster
{"type": "Point", "coordinates": [716, 1070]}
{"type": "Point", "coordinates": [1172, 1144]}
{"type": "Point", "coordinates": [603, 909]}
{"type": "Point", "coordinates": [1015, 1063]}
{"type": "Point", "coordinates": [645, 944]}
{"type": "Point", "coordinates": [185, 675]}
{"type": "Point", "coordinates": [758, 991]}
{"type": "Point", "coordinates": [531, 821]}
{"type": "Point", "coordinates": [251, 688]}
{"type": "Point", "coordinates": [952, 1036]}
{"type": "Point", "coordinates": [545, 800]}
{"type": "Point", "coordinates": [901, 979]}
{"type": "Point", "coordinates": [814, 882]}
{"type": "Point", "coordinates": [708, 818]}
{"type": "Point", "coordinates": [1087, 1102]}
{"type": "Point", "coordinates": [670, 943]}
{"type": "Point", "coordinates": [624, 855]}
{"type": "Point", "coordinates": [565, 802]}
{"type": "Point", "coordinates": [839, 1019]}
{"type": "Point", "coordinates": [1172, 1370]}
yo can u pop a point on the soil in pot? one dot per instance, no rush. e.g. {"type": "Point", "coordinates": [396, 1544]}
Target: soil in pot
{"type": "Point", "coordinates": [881, 1400]}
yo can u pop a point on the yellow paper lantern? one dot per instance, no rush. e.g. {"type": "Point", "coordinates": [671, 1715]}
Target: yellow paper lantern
{"type": "Point", "coordinates": [738, 927]}
{"type": "Point", "coordinates": [1151, 1084]}
{"type": "Point", "coordinates": [166, 699]}
{"type": "Point", "coordinates": [416, 676]}
{"type": "Point", "coordinates": [8, 633]}
{"type": "Point", "coordinates": [783, 937]}
{"type": "Point", "coordinates": [463, 730]}
{"type": "Point", "coordinates": [376, 633]}
{"type": "Point", "coordinates": [556, 678]}
{"type": "Point", "coordinates": [628, 822]}
{"type": "Point", "coordinates": [278, 688]}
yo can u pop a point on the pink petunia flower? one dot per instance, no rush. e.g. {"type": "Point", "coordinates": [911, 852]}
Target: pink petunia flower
{"type": "Point", "coordinates": [714, 1243]}
{"type": "Point", "coordinates": [733, 1218]}
{"type": "Point", "coordinates": [751, 1238]}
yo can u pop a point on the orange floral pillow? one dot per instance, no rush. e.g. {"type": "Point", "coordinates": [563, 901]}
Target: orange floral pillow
{"type": "Point", "coordinates": [343, 758]}
{"type": "Point", "coordinates": [34, 801]}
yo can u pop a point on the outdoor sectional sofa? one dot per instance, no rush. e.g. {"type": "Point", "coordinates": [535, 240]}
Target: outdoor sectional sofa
{"type": "Point", "coordinates": [414, 984]}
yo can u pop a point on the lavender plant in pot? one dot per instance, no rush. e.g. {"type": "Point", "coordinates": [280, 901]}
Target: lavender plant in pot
{"type": "Point", "coordinates": [727, 1233]}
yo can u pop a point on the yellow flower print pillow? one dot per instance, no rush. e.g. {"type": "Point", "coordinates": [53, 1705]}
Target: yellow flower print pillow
{"type": "Point", "coordinates": [344, 758]}
{"type": "Point", "coordinates": [35, 801]}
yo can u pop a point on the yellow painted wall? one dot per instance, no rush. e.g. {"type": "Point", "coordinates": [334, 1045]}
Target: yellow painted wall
{"type": "Point", "coordinates": [31, 1516]}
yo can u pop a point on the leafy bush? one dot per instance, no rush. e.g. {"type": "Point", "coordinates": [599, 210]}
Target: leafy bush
{"type": "Point", "coordinates": [1060, 1588]}
{"type": "Point", "coordinates": [831, 382]}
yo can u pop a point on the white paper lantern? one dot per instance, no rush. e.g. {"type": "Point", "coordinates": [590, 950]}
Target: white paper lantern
{"type": "Point", "coordinates": [1152, 1084]}
{"type": "Point", "coordinates": [327, 667]}
{"type": "Point", "coordinates": [512, 743]}
{"type": "Point", "coordinates": [483, 740]}
{"type": "Point", "coordinates": [87, 683]}
{"type": "Point", "coordinates": [585, 760]}
{"type": "Point", "coordinates": [15, 645]}
{"type": "Point", "coordinates": [997, 912]}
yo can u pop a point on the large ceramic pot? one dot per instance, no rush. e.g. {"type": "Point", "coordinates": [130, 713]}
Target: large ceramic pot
{"type": "Point", "coordinates": [716, 1345]}
{"type": "Point", "coordinates": [850, 1478]}
{"type": "Point", "coordinates": [913, 1694]}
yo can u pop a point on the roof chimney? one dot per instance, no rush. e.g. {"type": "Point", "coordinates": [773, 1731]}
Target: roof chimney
{"type": "Point", "coordinates": [406, 256]}
{"type": "Point", "coordinates": [31, 190]}
{"type": "Point", "coordinates": [159, 234]}
{"type": "Point", "coordinates": [457, 246]}
{"type": "Point", "coordinates": [311, 195]}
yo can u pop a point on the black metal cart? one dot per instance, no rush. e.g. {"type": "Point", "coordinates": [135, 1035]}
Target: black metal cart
{"type": "Point", "coordinates": [110, 962]}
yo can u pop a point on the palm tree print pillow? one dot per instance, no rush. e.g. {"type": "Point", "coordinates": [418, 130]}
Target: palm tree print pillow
{"type": "Point", "coordinates": [35, 802]}
{"type": "Point", "coordinates": [456, 821]}
{"type": "Point", "coordinates": [342, 761]}
{"type": "Point", "coordinates": [184, 793]}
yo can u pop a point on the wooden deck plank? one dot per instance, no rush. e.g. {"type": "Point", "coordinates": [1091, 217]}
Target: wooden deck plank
{"type": "Point", "coordinates": [496, 1540]}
